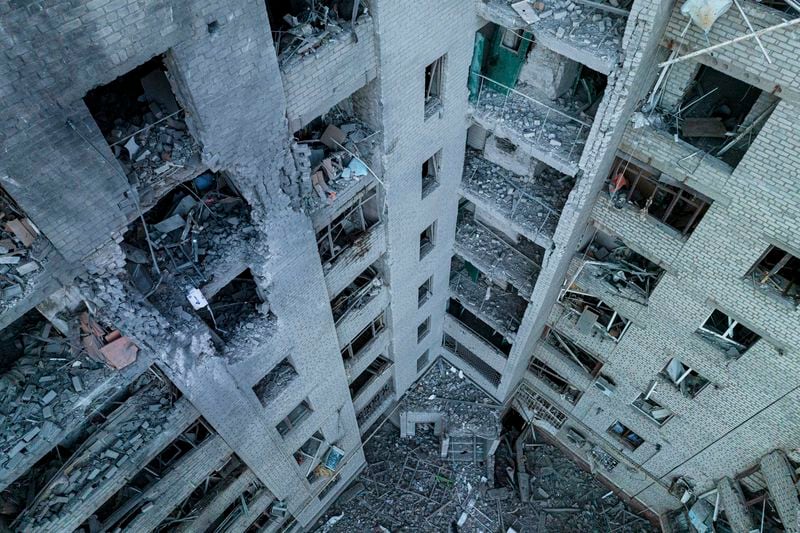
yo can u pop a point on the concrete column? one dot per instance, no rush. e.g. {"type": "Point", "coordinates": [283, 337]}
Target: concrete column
{"type": "Point", "coordinates": [780, 482]}
{"type": "Point", "coordinates": [732, 500]}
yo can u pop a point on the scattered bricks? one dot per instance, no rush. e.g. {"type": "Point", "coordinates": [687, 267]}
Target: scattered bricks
{"type": "Point", "coordinates": [46, 379]}
{"type": "Point", "coordinates": [111, 454]}
{"type": "Point", "coordinates": [31, 434]}
{"type": "Point", "coordinates": [49, 397]}
{"type": "Point", "coordinates": [93, 474]}
{"type": "Point", "coordinates": [28, 394]}
{"type": "Point", "coordinates": [110, 472]}
{"type": "Point", "coordinates": [147, 507]}
{"type": "Point", "coordinates": [76, 384]}
{"type": "Point", "coordinates": [18, 447]}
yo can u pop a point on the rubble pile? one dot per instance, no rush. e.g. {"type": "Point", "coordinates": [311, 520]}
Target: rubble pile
{"type": "Point", "coordinates": [539, 124]}
{"type": "Point", "coordinates": [152, 144]}
{"type": "Point", "coordinates": [131, 427]}
{"type": "Point", "coordinates": [481, 246]}
{"type": "Point", "coordinates": [532, 203]}
{"type": "Point", "coordinates": [47, 384]}
{"type": "Point", "coordinates": [22, 253]}
{"type": "Point", "coordinates": [234, 308]}
{"type": "Point", "coordinates": [316, 24]}
{"type": "Point", "coordinates": [203, 225]}
{"type": "Point", "coordinates": [334, 158]}
{"type": "Point", "coordinates": [504, 309]}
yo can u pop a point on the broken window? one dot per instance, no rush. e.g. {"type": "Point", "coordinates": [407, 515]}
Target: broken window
{"type": "Point", "coordinates": [588, 90]}
{"type": "Point", "coordinates": [347, 229]}
{"type": "Point", "coordinates": [294, 418]}
{"type": "Point", "coordinates": [380, 400]}
{"type": "Point", "coordinates": [239, 506]}
{"type": "Point", "coordinates": [145, 126]}
{"type": "Point", "coordinates": [555, 381]}
{"type": "Point", "coordinates": [20, 245]}
{"type": "Point", "coordinates": [358, 294]}
{"type": "Point", "coordinates": [300, 27]}
{"type": "Point", "coordinates": [271, 385]}
{"type": "Point", "coordinates": [623, 434]}
{"type": "Point", "coordinates": [434, 74]}
{"type": "Point", "coordinates": [423, 329]}
{"type": "Point", "coordinates": [363, 380]}
{"type": "Point", "coordinates": [591, 312]}
{"type": "Point", "coordinates": [621, 267]}
{"type": "Point", "coordinates": [586, 361]}
{"type": "Point", "coordinates": [536, 405]}
{"type": "Point", "coordinates": [430, 173]}
{"type": "Point", "coordinates": [663, 198]}
{"type": "Point", "coordinates": [715, 115]}
{"type": "Point", "coordinates": [235, 304]}
{"type": "Point", "coordinates": [310, 452]}
{"type": "Point", "coordinates": [426, 240]}
{"type": "Point", "coordinates": [728, 334]}
{"type": "Point", "coordinates": [684, 377]}
{"type": "Point", "coordinates": [477, 326]}
{"type": "Point", "coordinates": [187, 230]}
{"type": "Point", "coordinates": [422, 360]}
{"type": "Point", "coordinates": [355, 347]}
{"type": "Point", "coordinates": [424, 292]}
{"type": "Point", "coordinates": [337, 149]}
{"type": "Point", "coordinates": [786, 6]}
{"type": "Point", "coordinates": [466, 355]}
{"type": "Point", "coordinates": [511, 39]}
{"type": "Point", "coordinates": [652, 409]}
{"type": "Point", "coordinates": [778, 271]}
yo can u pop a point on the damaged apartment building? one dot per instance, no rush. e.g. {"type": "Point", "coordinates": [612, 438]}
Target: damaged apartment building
{"type": "Point", "coordinates": [369, 265]}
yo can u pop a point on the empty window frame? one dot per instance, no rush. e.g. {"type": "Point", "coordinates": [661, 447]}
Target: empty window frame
{"type": "Point", "coordinates": [624, 434]}
{"type": "Point", "coordinates": [620, 266]}
{"type": "Point", "coordinates": [684, 377]}
{"type": "Point", "coordinates": [478, 327]}
{"type": "Point", "coordinates": [727, 333]}
{"type": "Point", "coordinates": [346, 228]}
{"type": "Point", "coordinates": [426, 240]}
{"type": "Point", "coordinates": [424, 292]}
{"type": "Point", "coordinates": [364, 338]}
{"type": "Point", "coordinates": [586, 361]}
{"type": "Point", "coordinates": [310, 452]}
{"type": "Point", "coordinates": [434, 74]}
{"type": "Point", "coordinates": [652, 409]}
{"type": "Point", "coordinates": [369, 375]}
{"type": "Point", "coordinates": [422, 360]}
{"type": "Point", "coordinates": [463, 353]}
{"type": "Point", "coordinates": [592, 310]}
{"type": "Point", "coordinates": [423, 329]}
{"type": "Point", "coordinates": [673, 204]}
{"type": "Point", "coordinates": [294, 418]}
{"type": "Point", "coordinates": [511, 39]}
{"type": "Point", "coordinates": [430, 173]}
{"type": "Point", "coordinates": [555, 381]}
{"type": "Point", "coordinates": [778, 271]}
{"type": "Point", "coordinates": [270, 386]}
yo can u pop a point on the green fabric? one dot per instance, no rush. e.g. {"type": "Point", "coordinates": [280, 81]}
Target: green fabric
{"type": "Point", "coordinates": [474, 82]}
{"type": "Point", "coordinates": [503, 65]}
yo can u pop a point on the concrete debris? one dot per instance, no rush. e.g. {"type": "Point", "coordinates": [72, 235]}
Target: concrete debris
{"type": "Point", "coordinates": [492, 254]}
{"type": "Point", "coordinates": [22, 253]}
{"type": "Point", "coordinates": [311, 25]}
{"type": "Point", "coordinates": [105, 344]}
{"type": "Point", "coordinates": [533, 202]}
{"type": "Point", "coordinates": [131, 427]}
{"type": "Point", "coordinates": [44, 387]}
{"type": "Point", "coordinates": [502, 309]}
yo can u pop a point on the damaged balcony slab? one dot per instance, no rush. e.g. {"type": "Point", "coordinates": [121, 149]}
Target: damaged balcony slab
{"type": "Point", "coordinates": [217, 504]}
{"type": "Point", "coordinates": [531, 206]}
{"type": "Point", "coordinates": [469, 339]}
{"type": "Point", "coordinates": [375, 408]}
{"type": "Point", "coordinates": [591, 36]}
{"type": "Point", "coordinates": [364, 251]}
{"type": "Point", "coordinates": [501, 309]}
{"type": "Point", "coordinates": [355, 365]}
{"type": "Point", "coordinates": [573, 371]}
{"type": "Point", "coordinates": [373, 386]}
{"type": "Point", "coordinates": [553, 136]}
{"type": "Point", "coordinates": [132, 436]}
{"type": "Point", "coordinates": [475, 368]}
{"type": "Point", "coordinates": [355, 321]}
{"type": "Point", "coordinates": [158, 501]}
{"type": "Point", "coordinates": [495, 257]}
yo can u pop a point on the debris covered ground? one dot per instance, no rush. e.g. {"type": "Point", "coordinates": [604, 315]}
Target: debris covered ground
{"type": "Point", "coordinates": [407, 486]}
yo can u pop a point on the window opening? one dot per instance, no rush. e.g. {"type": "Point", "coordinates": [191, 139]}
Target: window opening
{"type": "Point", "coordinates": [294, 418]}
{"type": "Point", "coordinates": [727, 334]}
{"type": "Point", "coordinates": [555, 381]}
{"type": "Point", "coordinates": [625, 435]}
{"type": "Point", "coordinates": [433, 86]}
{"type": "Point", "coordinates": [684, 378]}
{"type": "Point", "coordinates": [778, 272]}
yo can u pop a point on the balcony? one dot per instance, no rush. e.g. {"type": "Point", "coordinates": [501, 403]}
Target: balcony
{"type": "Point", "coordinates": [467, 338]}
{"type": "Point", "coordinates": [371, 381]}
{"type": "Point", "coordinates": [131, 437]}
{"type": "Point", "coordinates": [322, 62]}
{"type": "Point", "coordinates": [495, 257]}
{"type": "Point", "coordinates": [349, 326]}
{"type": "Point", "coordinates": [531, 206]}
{"type": "Point", "coordinates": [360, 360]}
{"type": "Point", "coordinates": [500, 309]}
{"type": "Point", "coordinates": [551, 135]}
{"type": "Point", "coordinates": [472, 365]}
{"type": "Point", "coordinates": [375, 408]}
{"type": "Point", "coordinates": [590, 36]}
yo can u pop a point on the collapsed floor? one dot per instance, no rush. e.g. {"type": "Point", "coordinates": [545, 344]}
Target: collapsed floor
{"type": "Point", "coordinates": [408, 486]}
